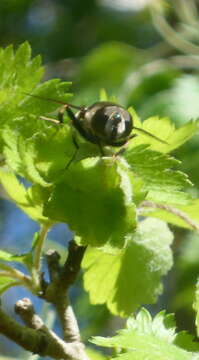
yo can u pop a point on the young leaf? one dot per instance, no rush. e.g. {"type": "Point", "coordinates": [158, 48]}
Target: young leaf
{"type": "Point", "coordinates": [29, 200]}
{"type": "Point", "coordinates": [155, 170]}
{"type": "Point", "coordinates": [164, 129]}
{"type": "Point", "coordinates": [41, 159]}
{"type": "Point", "coordinates": [132, 276]}
{"type": "Point", "coordinates": [52, 89]}
{"type": "Point", "coordinates": [94, 354]}
{"type": "Point", "coordinates": [186, 216]}
{"type": "Point", "coordinates": [6, 256]}
{"type": "Point", "coordinates": [25, 259]}
{"type": "Point", "coordinates": [147, 338]}
{"type": "Point", "coordinates": [20, 112]}
{"type": "Point", "coordinates": [6, 282]}
{"type": "Point", "coordinates": [17, 73]}
{"type": "Point", "coordinates": [94, 197]}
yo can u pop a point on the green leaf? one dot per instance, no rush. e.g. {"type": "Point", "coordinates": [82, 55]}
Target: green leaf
{"type": "Point", "coordinates": [186, 216]}
{"type": "Point", "coordinates": [51, 152]}
{"type": "Point", "coordinates": [165, 130]}
{"type": "Point", "coordinates": [52, 89]}
{"type": "Point", "coordinates": [94, 198]}
{"type": "Point", "coordinates": [23, 65]}
{"type": "Point", "coordinates": [6, 282]}
{"type": "Point", "coordinates": [95, 355]}
{"type": "Point", "coordinates": [6, 256]}
{"type": "Point", "coordinates": [186, 341]}
{"type": "Point", "coordinates": [147, 338]}
{"type": "Point", "coordinates": [29, 200]}
{"type": "Point", "coordinates": [132, 276]}
{"type": "Point", "coordinates": [25, 259]}
{"type": "Point", "coordinates": [17, 73]}
{"type": "Point", "coordinates": [41, 159]}
{"type": "Point", "coordinates": [162, 183]}
{"type": "Point", "coordinates": [20, 112]}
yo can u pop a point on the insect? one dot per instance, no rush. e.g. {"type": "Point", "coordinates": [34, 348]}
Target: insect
{"type": "Point", "coordinates": [103, 123]}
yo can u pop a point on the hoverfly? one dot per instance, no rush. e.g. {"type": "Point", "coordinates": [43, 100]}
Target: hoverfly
{"type": "Point", "coordinates": [103, 123]}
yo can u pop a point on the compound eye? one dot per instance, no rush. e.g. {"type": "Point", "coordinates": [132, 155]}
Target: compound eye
{"type": "Point", "coordinates": [116, 117]}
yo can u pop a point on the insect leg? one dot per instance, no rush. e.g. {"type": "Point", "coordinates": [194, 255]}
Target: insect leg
{"type": "Point", "coordinates": [72, 116]}
{"type": "Point", "coordinates": [60, 116]}
{"type": "Point", "coordinates": [54, 121]}
{"type": "Point", "coordinates": [124, 147]}
{"type": "Point", "coordinates": [101, 148]}
{"type": "Point", "coordinates": [61, 113]}
{"type": "Point", "coordinates": [75, 152]}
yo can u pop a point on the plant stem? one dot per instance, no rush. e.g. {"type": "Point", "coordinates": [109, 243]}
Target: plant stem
{"type": "Point", "coordinates": [181, 214]}
{"type": "Point", "coordinates": [187, 11]}
{"type": "Point", "coordinates": [36, 276]}
{"type": "Point", "coordinates": [172, 37]}
{"type": "Point", "coordinates": [16, 274]}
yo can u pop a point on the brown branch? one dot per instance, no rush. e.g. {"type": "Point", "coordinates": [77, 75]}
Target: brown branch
{"type": "Point", "coordinates": [25, 310]}
{"type": "Point", "coordinates": [35, 336]}
{"type": "Point", "coordinates": [53, 258]}
{"type": "Point", "coordinates": [73, 264]}
{"type": "Point", "coordinates": [173, 210]}
{"type": "Point", "coordinates": [56, 291]}
{"type": "Point", "coordinates": [38, 339]}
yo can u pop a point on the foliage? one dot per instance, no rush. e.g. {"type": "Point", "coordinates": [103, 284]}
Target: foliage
{"type": "Point", "coordinates": [100, 198]}
{"type": "Point", "coordinates": [147, 338]}
{"type": "Point", "coordinates": [124, 287]}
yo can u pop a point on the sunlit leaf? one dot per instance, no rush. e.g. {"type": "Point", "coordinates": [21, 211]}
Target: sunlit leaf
{"type": "Point", "coordinates": [151, 339]}
{"type": "Point", "coordinates": [162, 183]}
{"type": "Point", "coordinates": [131, 277]}
{"type": "Point", "coordinates": [95, 199]}
{"type": "Point", "coordinates": [29, 200]}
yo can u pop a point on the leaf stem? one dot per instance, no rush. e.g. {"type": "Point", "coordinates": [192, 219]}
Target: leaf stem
{"type": "Point", "coordinates": [36, 276]}
{"type": "Point", "coordinates": [172, 37]}
{"type": "Point", "coordinates": [187, 11]}
{"type": "Point", "coordinates": [181, 214]}
{"type": "Point", "coordinates": [16, 274]}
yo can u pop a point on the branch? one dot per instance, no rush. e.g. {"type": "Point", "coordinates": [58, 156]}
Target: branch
{"type": "Point", "coordinates": [73, 264]}
{"type": "Point", "coordinates": [37, 339]}
{"type": "Point", "coordinates": [61, 280]}
{"type": "Point", "coordinates": [172, 210]}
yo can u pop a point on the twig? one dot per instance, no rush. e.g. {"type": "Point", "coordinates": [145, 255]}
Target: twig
{"type": "Point", "coordinates": [38, 339]}
{"type": "Point", "coordinates": [53, 258]}
{"type": "Point", "coordinates": [73, 264]}
{"type": "Point", "coordinates": [60, 285]}
{"type": "Point", "coordinates": [171, 209]}
{"type": "Point", "coordinates": [68, 276]}
{"type": "Point", "coordinates": [35, 336]}
{"type": "Point", "coordinates": [25, 310]}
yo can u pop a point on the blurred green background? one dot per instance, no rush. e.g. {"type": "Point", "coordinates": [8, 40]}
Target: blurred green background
{"type": "Point", "coordinates": [144, 52]}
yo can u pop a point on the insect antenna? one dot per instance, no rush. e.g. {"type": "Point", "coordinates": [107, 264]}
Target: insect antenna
{"type": "Point", "coordinates": [151, 135]}
{"type": "Point", "coordinates": [53, 100]}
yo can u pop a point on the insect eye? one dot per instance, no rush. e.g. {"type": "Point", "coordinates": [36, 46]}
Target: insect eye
{"type": "Point", "coordinates": [117, 117]}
